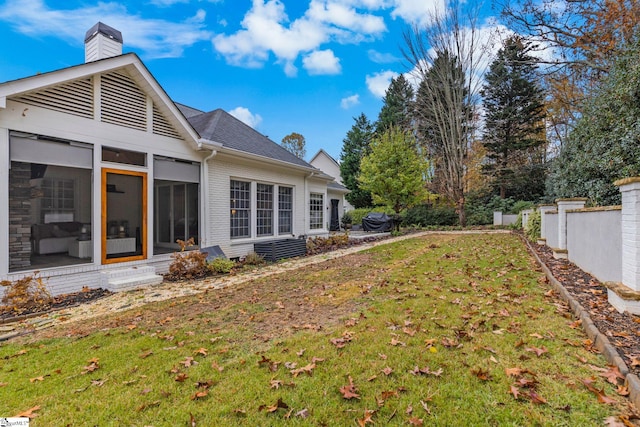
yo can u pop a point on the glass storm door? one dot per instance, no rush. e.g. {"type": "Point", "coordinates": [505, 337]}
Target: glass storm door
{"type": "Point", "coordinates": [176, 214]}
{"type": "Point", "coordinates": [124, 215]}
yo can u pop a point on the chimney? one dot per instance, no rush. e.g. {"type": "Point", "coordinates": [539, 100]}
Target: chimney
{"type": "Point", "coordinates": [102, 41]}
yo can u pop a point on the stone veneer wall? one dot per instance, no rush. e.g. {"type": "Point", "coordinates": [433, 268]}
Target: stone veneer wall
{"type": "Point", "coordinates": [19, 216]}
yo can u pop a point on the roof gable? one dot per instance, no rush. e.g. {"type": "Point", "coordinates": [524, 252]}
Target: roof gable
{"type": "Point", "coordinates": [222, 127]}
{"type": "Point", "coordinates": [118, 90]}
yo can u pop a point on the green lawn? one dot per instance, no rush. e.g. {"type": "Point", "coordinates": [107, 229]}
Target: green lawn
{"type": "Point", "coordinates": [443, 330]}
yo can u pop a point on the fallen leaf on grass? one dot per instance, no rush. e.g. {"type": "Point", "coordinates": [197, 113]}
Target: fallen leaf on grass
{"type": "Point", "coordinates": [304, 413]}
{"type": "Point", "coordinates": [273, 408]}
{"type": "Point", "coordinates": [515, 391]}
{"type": "Point", "coordinates": [623, 390]}
{"type": "Point", "coordinates": [201, 351]}
{"type": "Point", "coordinates": [395, 343]}
{"type": "Point", "coordinates": [368, 418]}
{"type": "Point", "coordinates": [536, 398]}
{"type": "Point", "coordinates": [415, 421]}
{"type": "Point", "coordinates": [188, 361]}
{"type": "Point", "coordinates": [199, 395]}
{"type": "Point", "coordinates": [513, 372]}
{"type": "Point", "coordinates": [538, 351]}
{"type": "Point", "coordinates": [36, 379]}
{"type": "Point", "coordinates": [93, 365]}
{"type": "Point", "coordinates": [145, 354]}
{"type": "Point", "coordinates": [181, 377]}
{"type": "Point", "coordinates": [349, 391]}
{"type": "Point", "coordinates": [387, 371]}
{"type": "Point", "coordinates": [481, 374]}
{"type": "Point", "coordinates": [305, 369]}
{"type": "Point", "coordinates": [602, 398]}
{"type": "Point", "coordinates": [147, 405]}
{"type": "Point", "coordinates": [29, 413]}
{"type": "Point", "coordinates": [613, 375]}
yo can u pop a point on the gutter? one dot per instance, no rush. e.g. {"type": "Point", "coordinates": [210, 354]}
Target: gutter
{"type": "Point", "coordinates": [204, 210]}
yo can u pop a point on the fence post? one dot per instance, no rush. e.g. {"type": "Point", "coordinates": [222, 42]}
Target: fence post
{"type": "Point", "coordinates": [543, 222]}
{"type": "Point", "coordinates": [497, 218]}
{"type": "Point", "coordinates": [563, 206]}
{"type": "Point", "coordinates": [625, 296]}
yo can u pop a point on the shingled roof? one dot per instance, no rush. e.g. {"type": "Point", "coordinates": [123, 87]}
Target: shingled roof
{"type": "Point", "coordinates": [220, 126]}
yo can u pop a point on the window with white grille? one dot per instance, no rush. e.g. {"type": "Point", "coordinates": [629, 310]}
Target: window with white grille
{"type": "Point", "coordinates": [316, 209]}
{"type": "Point", "coordinates": [264, 209]}
{"type": "Point", "coordinates": [240, 202]}
{"type": "Point", "coordinates": [285, 210]}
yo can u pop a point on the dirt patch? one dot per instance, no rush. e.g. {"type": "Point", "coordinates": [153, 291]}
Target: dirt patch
{"type": "Point", "coordinates": [300, 301]}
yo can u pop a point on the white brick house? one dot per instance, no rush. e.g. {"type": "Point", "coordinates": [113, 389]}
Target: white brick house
{"type": "Point", "coordinates": [104, 172]}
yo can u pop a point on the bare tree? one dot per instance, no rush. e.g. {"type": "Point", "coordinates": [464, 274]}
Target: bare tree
{"type": "Point", "coordinates": [447, 57]}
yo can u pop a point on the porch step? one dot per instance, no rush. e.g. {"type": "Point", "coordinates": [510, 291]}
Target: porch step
{"type": "Point", "coordinates": [125, 279]}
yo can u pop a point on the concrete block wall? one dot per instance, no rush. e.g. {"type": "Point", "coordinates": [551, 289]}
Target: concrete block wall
{"type": "Point", "coordinates": [604, 241]}
{"type": "Point", "coordinates": [594, 241]}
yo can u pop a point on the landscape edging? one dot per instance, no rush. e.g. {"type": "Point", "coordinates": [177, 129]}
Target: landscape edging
{"type": "Point", "coordinates": [600, 340]}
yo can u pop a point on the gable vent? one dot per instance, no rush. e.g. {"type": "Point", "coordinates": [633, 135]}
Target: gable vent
{"type": "Point", "coordinates": [161, 125]}
{"type": "Point", "coordinates": [75, 98]}
{"type": "Point", "coordinates": [123, 103]}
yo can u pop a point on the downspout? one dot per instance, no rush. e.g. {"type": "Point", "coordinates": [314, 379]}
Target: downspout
{"type": "Point", "coordinates": [205, 198]}
{"type": "Point", "coordinates": [307, 229]}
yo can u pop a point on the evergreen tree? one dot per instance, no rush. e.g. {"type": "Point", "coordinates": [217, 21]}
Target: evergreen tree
{"type": "Point", "coordinates": [605, 144]}
{"type": "Point", "coordinates": [393, 171]}
{"type": "Point", "coordinates": [397, 108]}
{"type": "Point", "coordinates": [514, 127]}
{"type": "Point", "coordinates": [355, 147]}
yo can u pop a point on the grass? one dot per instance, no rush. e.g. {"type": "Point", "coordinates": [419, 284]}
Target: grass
{"type": "Point", "coordinates": [425, 328]}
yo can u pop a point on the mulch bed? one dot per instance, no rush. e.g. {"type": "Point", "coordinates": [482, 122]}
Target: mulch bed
{"type": "Point", "coordinates": [623, 330]}
{"type": "Point", "coordinates": [58, 302]}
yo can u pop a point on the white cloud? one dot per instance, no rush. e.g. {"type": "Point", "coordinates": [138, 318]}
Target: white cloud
{"type": "Point", "coordinates": [322, 62]}
{"type": "Point", "coordinates": [381, 58]}
{"type": "Point", "coordinates": [417, 11]}
{"type": "Point", "coordinates": [378, 83]}
{"type": "Point", "coordinates": [247, 117]}
{"type": "Point", "coordinates": [349, 101]}
{"type": "Point", "coordinates": [156, 38]}
{"type": "Point", "coordinates": [267, 30]}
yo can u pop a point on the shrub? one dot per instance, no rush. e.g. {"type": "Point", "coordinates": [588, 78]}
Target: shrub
{"type": "Point", "coordinates": [221, 265]}
{"type": "Point", "coordinates": [427, 215]}
{"type": "Point", "coordinates": [24, 294]}
{"type": "Point", "coordinates": [253, 258]}
{"type": "Point", "coordinates": [188, 264]}
{"type": "Point", "coordinates": [521, 205]}
{"type": "Point", "coordinates": [347, 220]}
{"type": "Point", "coordinates": [317, 245]}
{"type": "Point", "coordinates": [358, 214]}
{"type": "Point", "coordinates": [534, 224]}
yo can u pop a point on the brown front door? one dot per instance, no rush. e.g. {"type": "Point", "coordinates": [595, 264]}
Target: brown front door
{"type": "Point", "coordinates": [124, 215]}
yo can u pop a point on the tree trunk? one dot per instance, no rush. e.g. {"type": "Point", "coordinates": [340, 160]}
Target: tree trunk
{"type": "Point", "coordinates": [462, 216]}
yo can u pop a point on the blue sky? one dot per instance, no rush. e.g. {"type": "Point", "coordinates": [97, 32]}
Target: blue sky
{"type": "Point", "coordinates": [306, 66]}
